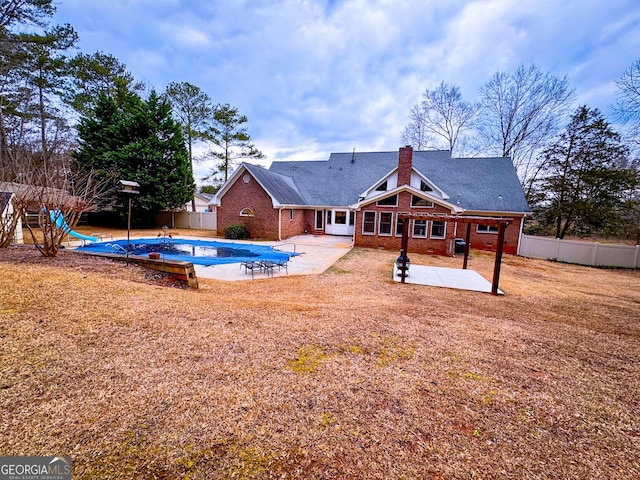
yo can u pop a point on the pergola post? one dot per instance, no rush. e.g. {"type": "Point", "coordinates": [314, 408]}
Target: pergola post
{"type": "Point", "coordinates": [496, 268]}
{"type": "Point", "coordinates": [467, 240]}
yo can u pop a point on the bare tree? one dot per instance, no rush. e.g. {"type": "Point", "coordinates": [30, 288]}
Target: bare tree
{"type": "Point", "coordinates": [522, 112]}
{"type": "Point", "coordinates": [441, 119]}
{"type": "Point", "coordinates": [627, 105]}
{"type": "Point", "coordinates": [414, 133]}
{"type": "Point", "coordinates": [58, 196]}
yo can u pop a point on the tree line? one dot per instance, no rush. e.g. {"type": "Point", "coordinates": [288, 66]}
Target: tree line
{"type": "Point", "coordinates": [71, 126]}
{"type": "Point", "coordinates": [578, 173]}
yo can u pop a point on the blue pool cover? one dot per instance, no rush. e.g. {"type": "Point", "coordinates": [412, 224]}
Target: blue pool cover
{"type": "Point", "coordinates": [200, 252]}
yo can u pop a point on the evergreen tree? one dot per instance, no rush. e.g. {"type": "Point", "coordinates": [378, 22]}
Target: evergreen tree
{"type": "Point", "coordinates": [193, 110]}
{"type": "Point", "coordinates": [94, 74]}
{"type": "Point", "coordinates": [587, 177]}
{"type": "Point", "coordinates": [230, 135]}
{"type": "Point", "coordinates": [128, 138]}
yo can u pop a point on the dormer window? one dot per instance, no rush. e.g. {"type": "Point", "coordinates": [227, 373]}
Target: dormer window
{"type": "Point", "coordinates": [382, 187]}
{"type": "Point", "coordinates": [424, 186]}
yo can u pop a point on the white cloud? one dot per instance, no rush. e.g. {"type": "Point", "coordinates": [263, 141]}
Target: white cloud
{"type": "Point", "coordinates": [315, 77]}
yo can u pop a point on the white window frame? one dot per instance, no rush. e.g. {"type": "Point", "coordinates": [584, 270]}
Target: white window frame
{"type": "Point", "coordinates": [375, 221]}
{"type": "Point", "coordinates": [247, 212]}
{"type": "Point", "coordinates": [488, 229]}
{"type": "Point", "coordinates": [391, 225]}
{"type": "Point", "coordinates": [426, 228]}
{"type": "Point", "coordinates": [437, 237]}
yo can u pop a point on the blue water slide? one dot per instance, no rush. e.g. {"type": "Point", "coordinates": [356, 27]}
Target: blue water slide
{"type": "Point", "coordinates": [57, 217]}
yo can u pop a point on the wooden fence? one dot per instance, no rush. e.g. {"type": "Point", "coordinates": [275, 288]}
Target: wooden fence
{"type": "Point", "coordinates": [582, 253]}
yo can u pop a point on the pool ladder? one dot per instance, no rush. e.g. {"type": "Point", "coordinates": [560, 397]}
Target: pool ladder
{"type": "Point", "coordinates": [275, 247]}
{"type": "Point", "coordinates": [114, 248]}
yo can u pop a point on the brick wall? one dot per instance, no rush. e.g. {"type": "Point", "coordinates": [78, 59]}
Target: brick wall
{"type": "Point", "coordinates": [405, 163]}
{"type": "Point", "coordinates": [482, 241]}
{"type": "Point", "coordinates": [264, 223]}
{"type": "Point", "coordinates": [296, 226]}
{"type": "Point", "coordinates": [489, 241]}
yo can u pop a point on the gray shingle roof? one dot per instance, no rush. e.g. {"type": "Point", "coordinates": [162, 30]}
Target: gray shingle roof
{"type": "Point", "coordinates": [482, 183]}
{"type": "Point", "coordinates": [281, 187]}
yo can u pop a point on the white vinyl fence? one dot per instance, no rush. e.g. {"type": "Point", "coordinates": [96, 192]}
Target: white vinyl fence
{"type": "Point", "coordinates": [202, 220]}
{"type": "Point", "coordinates": [583, 253]}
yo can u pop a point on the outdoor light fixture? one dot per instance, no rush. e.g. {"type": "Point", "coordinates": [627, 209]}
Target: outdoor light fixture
{"type": "Point", "coordinates": [129, 189]}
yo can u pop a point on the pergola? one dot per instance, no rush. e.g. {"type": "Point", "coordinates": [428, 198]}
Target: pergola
{"type": "Point", "coordinates": [500, 222]}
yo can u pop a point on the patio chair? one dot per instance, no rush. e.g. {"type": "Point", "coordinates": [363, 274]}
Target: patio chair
{"type": "Point", "coordinates": [251, 265]}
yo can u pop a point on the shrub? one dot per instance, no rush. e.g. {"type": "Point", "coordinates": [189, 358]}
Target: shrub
{"type": "Point", "coordinates": [235, 232]}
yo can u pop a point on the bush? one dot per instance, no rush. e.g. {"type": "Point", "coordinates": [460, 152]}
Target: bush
{"type": "Point", "coordinates": [236, 232]}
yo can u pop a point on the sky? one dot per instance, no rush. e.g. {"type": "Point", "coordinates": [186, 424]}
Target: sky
{"type": "Point", "coordinates": [322, 76]}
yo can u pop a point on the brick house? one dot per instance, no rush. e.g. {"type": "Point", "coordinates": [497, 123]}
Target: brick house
{"type": "Point", "coordinates": [362, 194]}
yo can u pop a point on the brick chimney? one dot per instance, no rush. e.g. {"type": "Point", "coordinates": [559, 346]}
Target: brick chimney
{"type": "Point", "coordinates": [405, 160]}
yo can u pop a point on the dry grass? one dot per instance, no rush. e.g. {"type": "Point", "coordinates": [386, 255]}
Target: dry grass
{"type": "Point", "coordinates": [343, 375]}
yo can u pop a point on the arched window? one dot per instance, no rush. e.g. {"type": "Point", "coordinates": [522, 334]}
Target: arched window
{"type": "Point", "coordinates": [247, 212]}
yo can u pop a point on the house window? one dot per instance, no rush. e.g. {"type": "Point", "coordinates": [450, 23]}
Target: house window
{"type": "Point", "coordinates": [391, 201]}
{"type": "Point", "coordinates": [420, 228]}
{"type": "Point", "coordinates": [386, 221]}
{"type": "Point", "coordinates": [486, 229]}
{"type": "Point", "coordinates": [341, 218]}
{"type": "Point", "coordinates": [382, 187]}
{"type": "Point", "coordinates": [328, 217]}
{"type": "Point", "coordinates": [246, 178]}
{"type": "Point", "coordinates": [291, 214]}
{"type": "Point", "coordinates": [420, 202]}
{"type": "Point", "coordinates": [369, 223]}
{"type": "Point", "coordinates": [399, 222]}
{"type": "Point", "coordinates": [319, 219]}
{"type": "Point", "coordinates": [438, 229]}
{"type": "Point", "coordinates": [352, 218]}
{"type": "Point", "coordinates": [424, 186]}
{"type": "Point", "coordinates": [247, 212]}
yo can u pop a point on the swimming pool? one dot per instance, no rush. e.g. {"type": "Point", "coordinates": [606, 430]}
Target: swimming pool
{"type": "Point", "coordinates": [200, 252]}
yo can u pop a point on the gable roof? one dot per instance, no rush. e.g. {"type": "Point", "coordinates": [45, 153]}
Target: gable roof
{"type": "Point", "coordinates": [281, 188]}
{"type": "Point", "coordinates": [484, 184]}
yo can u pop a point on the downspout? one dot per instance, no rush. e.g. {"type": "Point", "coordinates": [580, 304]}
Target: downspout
{"type": "Point", "coordinates": [355, 223]}
{"type": "Point", "coordinates": [520, 234]}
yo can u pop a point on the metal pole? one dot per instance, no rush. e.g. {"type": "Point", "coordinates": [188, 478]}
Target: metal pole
{"type": "Point", "coordinates": [128, 229]}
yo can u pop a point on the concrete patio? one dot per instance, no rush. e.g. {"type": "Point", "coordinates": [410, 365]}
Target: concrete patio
{"type": "Point", "coordinates": [446, 277]}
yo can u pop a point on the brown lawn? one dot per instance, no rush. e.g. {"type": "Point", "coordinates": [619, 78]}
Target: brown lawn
{"type": "Point", "coordinates": [344, 375]}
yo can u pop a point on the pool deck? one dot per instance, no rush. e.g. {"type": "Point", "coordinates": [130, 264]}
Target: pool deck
{"type": "Point", "coordinates": [317, 253]}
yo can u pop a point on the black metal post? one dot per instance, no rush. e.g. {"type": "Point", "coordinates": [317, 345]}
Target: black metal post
{"type": "Point", "coordinates": [128, 229]}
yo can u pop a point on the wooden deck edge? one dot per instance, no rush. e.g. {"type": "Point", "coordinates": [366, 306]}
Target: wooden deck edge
{"type": "Point", "coordinates": [184, 271]}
